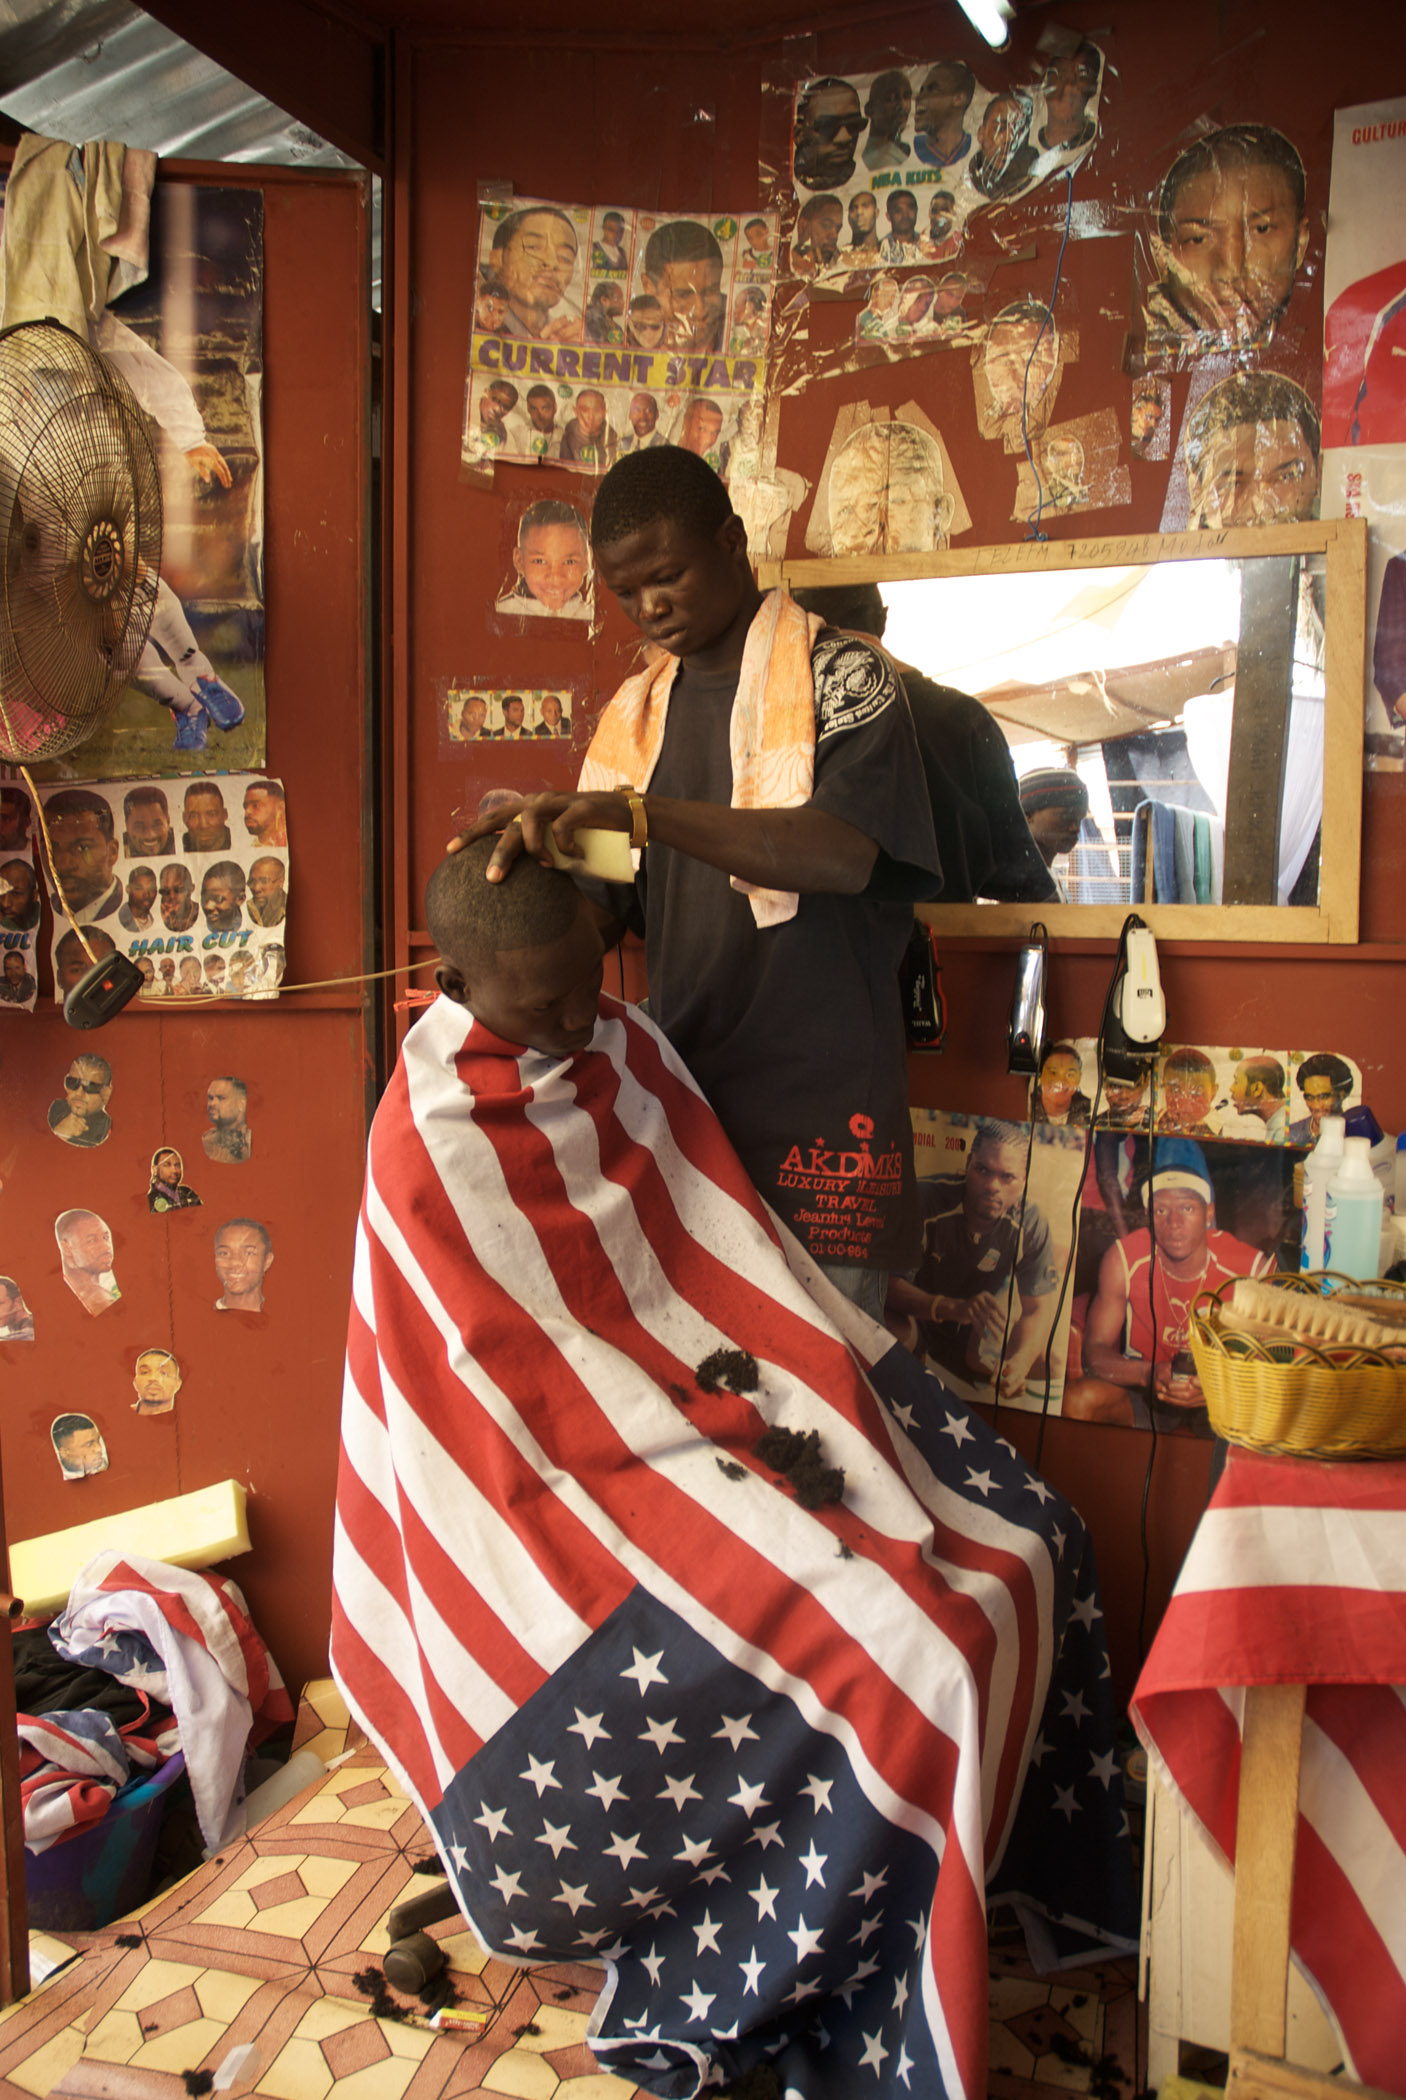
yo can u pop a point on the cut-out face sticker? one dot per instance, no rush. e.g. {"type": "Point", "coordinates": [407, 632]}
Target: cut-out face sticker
{"type": "Point", "coordinates": [16, 1319]}
{"type": "Point", "coordinates": [78, 1443]}
{"type": "Point", "coordinates": [229, 1140]}
{"type": "Point", "coordinates": [156, 1382]}
{"type": "Point", "coordinates": [81, 1117]}
{"type": "Point", "coordinates": [167, 1190]}
{"type": "Point", "coordinates": [243, 1257]}
{"type": "Point", "coordinates": [86, 1252]}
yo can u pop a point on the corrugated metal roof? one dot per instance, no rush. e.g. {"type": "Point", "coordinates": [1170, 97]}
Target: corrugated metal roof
{"type": "Point", "coordinates": [84, 69]}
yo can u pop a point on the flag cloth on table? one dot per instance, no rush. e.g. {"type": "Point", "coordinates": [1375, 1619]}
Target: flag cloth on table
{"type": "Point", "coordinates": [1297, 1575]}
{"type": "Point", "coordinates": [761, 1759]}
{"type": "Point", "coordinates": [185, 1639]}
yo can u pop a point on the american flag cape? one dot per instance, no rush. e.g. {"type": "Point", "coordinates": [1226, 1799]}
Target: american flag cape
{"type": "Point", "coordinates": [758, 1760]}
{"type": "Point", "coordinates": [1297, 1575]}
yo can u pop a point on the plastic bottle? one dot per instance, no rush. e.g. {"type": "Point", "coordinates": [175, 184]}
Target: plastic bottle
{"type": "Point", "coordinates": [1354, 1214]}
{"type": "Point", "coordinates": [1319, 1168]}
{"type": "Point", "coordinates": [1382, 1155]}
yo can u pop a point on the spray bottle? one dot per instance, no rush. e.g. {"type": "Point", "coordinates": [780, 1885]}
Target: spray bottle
{"type": "Point", "coordinates": [1319, 1168]}
{"type": "Point", "coordinates": [1354, 1214]}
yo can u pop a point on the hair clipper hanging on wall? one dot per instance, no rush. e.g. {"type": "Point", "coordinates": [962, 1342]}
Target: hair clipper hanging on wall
{"type": "Point", "coordinates": [920, 977]}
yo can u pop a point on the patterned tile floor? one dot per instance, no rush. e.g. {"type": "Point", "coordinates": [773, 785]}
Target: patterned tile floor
{"type": "Point", "coordinates": [246, 1970]}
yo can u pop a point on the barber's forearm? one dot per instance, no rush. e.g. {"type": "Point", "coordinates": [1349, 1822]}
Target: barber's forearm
{"type": "Point", "coordinates": [805, 849]}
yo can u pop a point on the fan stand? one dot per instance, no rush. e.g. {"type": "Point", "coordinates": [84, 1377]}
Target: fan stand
{"type": "Point", "coordinates": [14, 1937]}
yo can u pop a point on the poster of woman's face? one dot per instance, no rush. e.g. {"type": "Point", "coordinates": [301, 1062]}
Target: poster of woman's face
{"type": "Point", "coordinates": [1230, 232]}
{"type": "Point", "coordinates": [78, 1446]}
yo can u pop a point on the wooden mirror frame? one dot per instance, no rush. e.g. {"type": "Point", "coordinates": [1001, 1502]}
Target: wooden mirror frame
{"type": "Point", "coordinates": [1343, 543]}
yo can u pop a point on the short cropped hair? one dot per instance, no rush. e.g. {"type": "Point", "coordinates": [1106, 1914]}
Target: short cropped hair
{"type": "Point", "coordinates": [268, 787]}
{"type": "Point", "coordinates": [471, 920]}
{"type": "Point", "coordinates": [1240, 145]}
{"type": "Point", "coordinates": [1266, 1072]}
{"type": "Point", "coordinates": [680, 240]}
{"type": "Point", "coordinates": [98, 1066]}
{"type": "Point", "coordinates": [81, 802]}
{"type": "Point", "coordinates": [1001, 1136]}
{"type": "Point", "coordinates": [254, 1226]}
{"type": "Point", "coordinates": [506, 228]}
{"type": "Point", "coordinates": [854, 605]}
{"type": "Point", "coordinates": [228, 1079]}
{"type": "Point", "coordinates": [1188, 1063]}
{"type": "Point", "coordinates": [550, 511]}
{"type": "Point", "coordinates": [226, 871]}
{"type": "Point", "coordinates": [1250, 397]}
{"type": "Point", "coordinates": [66, 1426]}
{"type": "Point", "coordinates": [139, 797]}
{"type": "Point", "coordinates": [960, 72]}
{"type": "Point", "coordinates": [666, 482]}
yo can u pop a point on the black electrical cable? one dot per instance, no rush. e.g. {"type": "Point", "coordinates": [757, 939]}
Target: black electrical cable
{"type": "Point", "coordinates": [1120, 963]}
{"type": "Point", "coordinates": [1039, 938]}
{"type": "Point", "coordinates": [1152, 1384]}
{"type": "Point", "coordinates": [1035, 532]}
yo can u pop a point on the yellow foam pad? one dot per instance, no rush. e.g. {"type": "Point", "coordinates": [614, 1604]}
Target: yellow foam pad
{"type": "Point", "coordinates": [607, 855]}
{"type": "Point", "coordinates": [189, 1531]}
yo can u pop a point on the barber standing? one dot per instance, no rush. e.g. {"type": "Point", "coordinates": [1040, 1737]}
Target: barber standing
{"type": "Point", "coordinates": [776, 790]}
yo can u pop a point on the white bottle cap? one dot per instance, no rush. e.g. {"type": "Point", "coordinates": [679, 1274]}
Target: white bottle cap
{"type": "Point", "coordinates": [1356, 1168]}
{"type": "Point", "coordinates": [1332, 1133]}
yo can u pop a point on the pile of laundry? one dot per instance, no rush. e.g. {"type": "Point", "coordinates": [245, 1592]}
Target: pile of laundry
{"type": "Point", "coordinates": [145, 1660]}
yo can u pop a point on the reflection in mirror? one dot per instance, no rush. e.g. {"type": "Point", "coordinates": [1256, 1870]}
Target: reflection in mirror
{"type": "Point", "coordinates": [1197, 696]}
{"type": "Point", "coordinates": [1131, 680]}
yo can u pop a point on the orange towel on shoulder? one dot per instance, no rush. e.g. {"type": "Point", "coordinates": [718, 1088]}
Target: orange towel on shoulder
{"type": "Point", "coordinates": [772, 736]}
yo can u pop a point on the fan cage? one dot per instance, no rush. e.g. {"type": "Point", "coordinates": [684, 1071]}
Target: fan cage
{"type": "Point", "coordinates": [80, 527]}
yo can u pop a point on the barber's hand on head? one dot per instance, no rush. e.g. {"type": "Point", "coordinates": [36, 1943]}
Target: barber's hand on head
{"type": "Point", "coordinates": [527, 826]}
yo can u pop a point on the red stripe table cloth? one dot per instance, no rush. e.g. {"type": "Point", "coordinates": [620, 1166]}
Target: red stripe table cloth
{"type": "Point", "coordinates": [1297, 1575]}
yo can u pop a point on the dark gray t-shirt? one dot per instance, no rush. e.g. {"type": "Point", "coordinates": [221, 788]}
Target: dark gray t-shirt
{"type": "Point", "coordinates": [795, 1032]}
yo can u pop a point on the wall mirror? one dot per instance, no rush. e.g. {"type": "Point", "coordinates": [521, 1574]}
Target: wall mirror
{"type": "Point", "coordinates": [1206, 686]}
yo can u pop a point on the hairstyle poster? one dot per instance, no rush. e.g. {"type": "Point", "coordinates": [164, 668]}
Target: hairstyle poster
{"type": "Point", "coordinates": [889, 168]}
{"type": "Point", "coordinates": [187, 336]}
{"type": "Point", "coordinates": [189, 878]}
{"type": "Point", "coordinates": [988, 1306]}
{"type": "Point", "coordinates": [1227, 246]}
{"type": "Point", "coordinates": [1251, 1096]}
{"type": "Point", "coordinates": [1162, 1219]}
{"type": "Point", "coordinates": [19, 900]}
{"type": "Point", "coordinates": [603, 330]}
{"type": "Point", "coordinates": [472, 713]}
{"type": "Point", "coordinates": [1364, 392]}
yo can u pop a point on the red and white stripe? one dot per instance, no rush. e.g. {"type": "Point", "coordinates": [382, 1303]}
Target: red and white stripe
{"type": "Point", "coordinates": [547, 1249]}
{"type": "Point", "coordinates": [1297, 1575]}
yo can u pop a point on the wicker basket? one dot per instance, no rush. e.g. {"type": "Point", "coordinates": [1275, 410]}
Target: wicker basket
{"type": "Point", "coordinates": [1316, 1401]}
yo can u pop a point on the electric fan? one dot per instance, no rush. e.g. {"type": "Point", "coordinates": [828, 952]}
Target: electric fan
{"type": "Point", "coordinates": [80, 524]}
{"type": "Point", "coordinates": [80, 529]}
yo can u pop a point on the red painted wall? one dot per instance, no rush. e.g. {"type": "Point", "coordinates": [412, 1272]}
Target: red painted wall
{"type": "Point", "coordinates": [261, 1396]}
{"type": "Point", "coordinates": [581, 122]}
